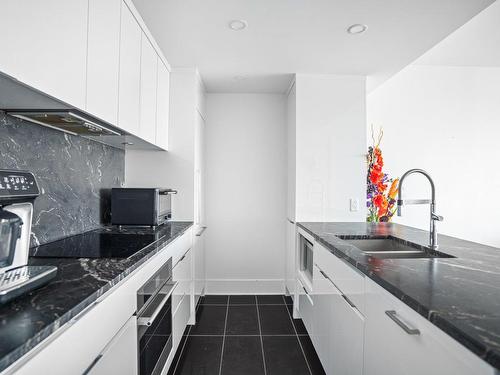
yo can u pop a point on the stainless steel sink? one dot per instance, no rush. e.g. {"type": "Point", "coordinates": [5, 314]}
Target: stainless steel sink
{"type": "Point", "coordinates": [394, 248]}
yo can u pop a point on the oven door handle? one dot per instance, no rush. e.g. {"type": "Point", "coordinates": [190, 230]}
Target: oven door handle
{"type": "Point", "coordinates": [165, 293]}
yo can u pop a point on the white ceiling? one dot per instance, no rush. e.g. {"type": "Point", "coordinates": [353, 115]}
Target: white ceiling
{"type": "Point", "coordinates": [477, 43]}
{"type": "Point", "coordinates": [299, 36]}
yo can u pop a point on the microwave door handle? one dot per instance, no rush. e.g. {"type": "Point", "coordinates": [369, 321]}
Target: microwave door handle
{"type": "Point", "coordinates": [168, 192]}
{"type": "Point", "coordinates": [166, 291]}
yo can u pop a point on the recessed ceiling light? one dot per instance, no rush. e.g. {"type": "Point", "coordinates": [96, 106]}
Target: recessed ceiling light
{"type": "Point", "coordinates": [238, 25]}
{"type": "Point", "coordinates": [357, 28]}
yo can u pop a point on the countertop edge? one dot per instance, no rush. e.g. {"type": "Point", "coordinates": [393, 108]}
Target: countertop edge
{"type": "Point", "coordinates": [64, 319]}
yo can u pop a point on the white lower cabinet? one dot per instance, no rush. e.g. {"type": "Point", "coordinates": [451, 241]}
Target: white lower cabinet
{"type": "Point", "coordinates": [120, 355]}
{"type": "Point", "coordinates": [290, 257]}
{"type": "Point", "coordinates": [181, 274]}
{"type": "Point", "coordinates": [338, 328]}
{"type": "Point", "coordinates": [306, 306]}
{"type": "Point", "coordinates": [398, 341]}
{"type": "Point", "coordinates": [199, 265]}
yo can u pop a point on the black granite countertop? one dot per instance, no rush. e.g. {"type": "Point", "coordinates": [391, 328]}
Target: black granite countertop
{"type": "Point", "coordinates": [28, 320]}
{"type": "Point", "coordinates": [459, 295]}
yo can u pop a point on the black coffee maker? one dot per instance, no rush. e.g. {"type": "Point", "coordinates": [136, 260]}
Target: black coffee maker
{"type": "Point", "coordinates": [18, 190]}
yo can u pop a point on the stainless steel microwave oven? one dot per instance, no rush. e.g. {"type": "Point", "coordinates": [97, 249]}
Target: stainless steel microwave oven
{"type": "Point", "coordinates": [141, 206]}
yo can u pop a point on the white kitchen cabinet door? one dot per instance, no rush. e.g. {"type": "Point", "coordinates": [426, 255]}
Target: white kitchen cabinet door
{"type": "Point", "coordinates": [162, 105]}
{"type": "Point", "coordinates": [405, 343]}
{"type": "Point", "coordinates": [130, 73]}
{"type": "Point", "coordinates": [120, 355]}
{"type": "Point", "coordinates": [44, 44]}
{"type": "Point", "coordinates": [346, 333]}
{"type": "Point", "coordinates": [182, 274]}
{"type": "Point", "coordinates": [306, 308]}
{"type": "Point", "coordinates": [323, 319]}
{"type": "Point", "coordinates": [103, 59]}
{"type": "Point", "coordinates": [338, 327]}
{"type": "Point", "coordinates": [291, 274]}
{"type": "Point", "coordinates": [199, 267]}
{"type": "Point", "coordinates": [149, 69]}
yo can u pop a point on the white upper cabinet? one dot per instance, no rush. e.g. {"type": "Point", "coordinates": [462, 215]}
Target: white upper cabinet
{"type": "Point", "coordinates": [44, 44]}
{"type": "Point", "coordinates": [162, 105]}
{"type": "Point", "coordinates": [103, 59]}
{"type": "Point", "coordinates": [130, 73]}
{"type": "Point", "coordinates": [149, 67]}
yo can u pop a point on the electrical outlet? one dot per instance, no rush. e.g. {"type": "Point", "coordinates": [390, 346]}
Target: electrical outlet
{"type": "Point", "coordinates": [354, 204]}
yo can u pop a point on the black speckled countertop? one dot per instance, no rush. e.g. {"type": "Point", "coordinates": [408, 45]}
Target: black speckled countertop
{"type": "Point", "coordinates": [459, 295]}
{"type": "Point", "coordinates": [28, 320]}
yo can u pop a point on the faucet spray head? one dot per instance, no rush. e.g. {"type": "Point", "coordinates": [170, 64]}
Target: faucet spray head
{"type": "Point", "coordinates": [400, 207]}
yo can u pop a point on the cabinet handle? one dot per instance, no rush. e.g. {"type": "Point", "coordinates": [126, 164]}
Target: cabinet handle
{"type": "Point", "coordinates": [201, 231]}
{"type": "Point", "coordinates": [290, 221]}
{"type": "Point", "coordinates": [393, 315]}
{"type": "Point", "coordinates": [324, 274]}
{"type": "Point", "coordinates": [94, 362]}
{"type": "Point", "coordinates": [349, 301]}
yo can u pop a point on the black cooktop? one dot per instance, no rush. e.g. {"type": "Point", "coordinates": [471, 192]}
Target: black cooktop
{"type": "Point", "coordinates": [96, 244]}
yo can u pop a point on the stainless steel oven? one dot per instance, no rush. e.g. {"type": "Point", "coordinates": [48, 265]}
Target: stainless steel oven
{"type": "Point", "coordinates": [154, 321]}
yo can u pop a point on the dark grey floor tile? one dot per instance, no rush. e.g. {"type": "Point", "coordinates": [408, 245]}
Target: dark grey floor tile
{"type": "Point", "coordinates": [274, 320]}
{"type": "Point", "coordinates": [283, 355]}
{"type": "Point", "coordinates": [288, 300]}
{"type": "Point", "coordinates": [311, 356]}
{"type": "Point", "coordinates": [242, 300]}
{"type": "Point", "coordinates": [210, 320]}
{"type": "Point", "coordinates": [214, 300]}
{"type": "Point", "coordinates": [242, 356]}
{"type": "Point", "coordinates": [242, 320]}
{"type": "Point", "coordinates": [270, 299]}
{"type": "Point", "coordinates": [300, 328]}
{"type": "Point", "coordinates": [201, 356]}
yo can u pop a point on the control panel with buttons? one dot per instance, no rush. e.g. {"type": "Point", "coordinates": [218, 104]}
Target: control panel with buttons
{"type": "Point", "coordinates": [16, 184]}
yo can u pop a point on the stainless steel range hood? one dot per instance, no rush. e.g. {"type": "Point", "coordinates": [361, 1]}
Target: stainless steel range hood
{"type": "Point", "coordinates": [20, 100]}
{"type": "Point", "coordinates": [69, 121]}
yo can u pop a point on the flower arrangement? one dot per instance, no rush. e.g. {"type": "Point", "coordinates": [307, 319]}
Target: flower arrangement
{"type": "Point", "coordinates": [381, 202]}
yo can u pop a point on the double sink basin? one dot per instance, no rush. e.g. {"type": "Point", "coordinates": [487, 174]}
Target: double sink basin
{"type": "Point", "coordinates": [392, 248]}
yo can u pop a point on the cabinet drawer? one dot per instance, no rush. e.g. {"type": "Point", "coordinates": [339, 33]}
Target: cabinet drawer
{"type": "Point", "coordinates": [306, 308]}
{"type": "Point", "coordinates": [399, 341]}
{"type": "Point", "coordinates": [182, 275]}
{"type": "Point", "coordinates": [180, 321]}
{"type": "Point", "coordinates": [180, 246]}
{"type": "Point", "coordinates": [350, 281]}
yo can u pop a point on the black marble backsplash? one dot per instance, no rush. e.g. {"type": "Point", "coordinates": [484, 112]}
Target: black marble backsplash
{"type": "Point", "coordinates": [75, 176]}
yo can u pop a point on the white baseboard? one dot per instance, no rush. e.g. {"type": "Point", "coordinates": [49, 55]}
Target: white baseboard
{"type": "Point", "coordinates": [245, 286]}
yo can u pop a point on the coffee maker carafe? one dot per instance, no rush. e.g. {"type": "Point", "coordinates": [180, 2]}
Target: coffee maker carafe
{"type": "Point", "coordinates": [18, 190]}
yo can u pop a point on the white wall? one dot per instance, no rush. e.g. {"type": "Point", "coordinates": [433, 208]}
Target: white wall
{"type": "Point", "coordinates": [445, 120]}
{"type": "Point", "coordinates": [330, 147]}
{"type": "Point", "coordinates": [442, 114]}
{"type": "Point", "coordinates": [245, 193]}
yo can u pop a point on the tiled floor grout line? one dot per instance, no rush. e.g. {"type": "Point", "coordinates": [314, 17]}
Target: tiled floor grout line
{"type": "Point", "coordinates": [224, 336]}
{"type": "Point", "coordinates": [260, 335]}
{"type": "Point", "coordinates": [297, 336]}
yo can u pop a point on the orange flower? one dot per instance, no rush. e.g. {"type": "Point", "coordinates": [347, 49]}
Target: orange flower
{"type": "Point", "coordinates": [383, 207]}
{"type": "Point", "coordinates": [375, 176]}
{"type": "Point", "coordinates": [394, 189]}
{"type": "Point", "coordinates": [378, 201]}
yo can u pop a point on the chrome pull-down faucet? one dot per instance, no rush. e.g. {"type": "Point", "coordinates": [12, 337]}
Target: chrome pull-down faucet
{"type": "Point", "coordinates": [432, 202]}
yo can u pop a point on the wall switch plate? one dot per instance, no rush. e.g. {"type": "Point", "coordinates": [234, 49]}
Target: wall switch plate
{"type": "Point", "coordinates": [354, 204]}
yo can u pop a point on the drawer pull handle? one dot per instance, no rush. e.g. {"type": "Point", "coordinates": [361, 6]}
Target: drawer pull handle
{"type": "Point", "coordinates": [201, 231]}
{"type": "Point", "coordinates": [393, 315]}
{"type": "Point", "coordinates": [324, 274]}
{"type": "Point", "coordinates": [92, 365]}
